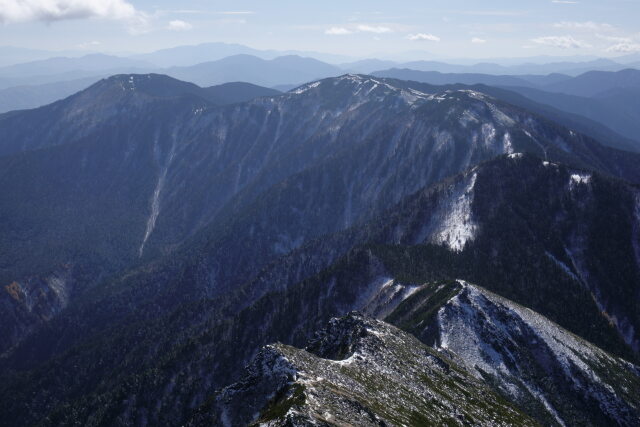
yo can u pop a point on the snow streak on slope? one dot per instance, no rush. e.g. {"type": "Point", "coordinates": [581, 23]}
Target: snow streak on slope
{"type": "Point", "coordinates": [155, 200]}
{"type": "Point", "coordinates": [387, 297]}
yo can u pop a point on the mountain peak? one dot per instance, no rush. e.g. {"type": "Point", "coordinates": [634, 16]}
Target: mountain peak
{"type": "Point", "coordinates": [158, 85]}
{"type": "Point", "coordinates": [364, 88]}
{"type": "Point", "coordinates": [372, 87]}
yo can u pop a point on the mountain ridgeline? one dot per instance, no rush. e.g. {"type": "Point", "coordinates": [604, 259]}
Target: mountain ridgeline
{"type": "Point", "coordinates": [189, 227]}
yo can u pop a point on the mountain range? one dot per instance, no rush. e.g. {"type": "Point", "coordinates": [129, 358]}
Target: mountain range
{"type": "Point", "coordinates": [609, 116]}
{"type": "Point", "coordinates": [159, 237]}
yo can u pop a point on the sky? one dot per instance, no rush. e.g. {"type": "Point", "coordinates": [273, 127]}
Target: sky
{"type": "Point", "coordinates": [436, 28]}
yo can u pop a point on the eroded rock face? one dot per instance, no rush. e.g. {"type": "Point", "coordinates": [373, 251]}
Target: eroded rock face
{"type": "Point", "coordinates": [27, 303]}
{"type": "Point", "coordinates": [358, 371]}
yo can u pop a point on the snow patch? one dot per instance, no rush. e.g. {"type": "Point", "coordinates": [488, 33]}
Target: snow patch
{"type": "Point", "coordinates": [507, 145]}
{"type": "Point", "coordinates": [577, 179]}
{"type": "Point", "coordinates": [488, 134]}
{"type": "Point", "coordinates": [305, 88]}
{"type": "Point", "coordinates": [473, 94]}
{"type": "Point", "coordinates": [453, 224]}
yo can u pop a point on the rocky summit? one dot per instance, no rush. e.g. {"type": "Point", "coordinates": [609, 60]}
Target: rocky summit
{"type": "Point", "coordinates": [358, 371]}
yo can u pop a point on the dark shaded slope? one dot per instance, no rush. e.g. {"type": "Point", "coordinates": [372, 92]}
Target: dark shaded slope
{"type": "Point", "coordinates": [507, 231]}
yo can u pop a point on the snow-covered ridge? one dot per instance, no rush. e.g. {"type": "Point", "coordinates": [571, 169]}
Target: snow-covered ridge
{"type": "Point", "coordinates": [359, 371]}
{"type": "Point", "coordinates": [367, 87]}
{"type": "Point", "coordinates": [305, 88]}
{"type": "Point", "coordinates": [511, 343]}
{"type": "Point", "coordinates": [372, 87]}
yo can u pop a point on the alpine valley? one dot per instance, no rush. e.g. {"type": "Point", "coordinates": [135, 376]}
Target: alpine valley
{"type": "Point", "coordinates": [357, 251]}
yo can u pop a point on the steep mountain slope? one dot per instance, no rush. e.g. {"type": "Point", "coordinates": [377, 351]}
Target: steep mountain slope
{"type": "Point", "coordinates": [116, 104]}
{"type": "Point", "coordinates": [349, 370]}
{"type": "Point", "coordinates": [245, 190]}
{"type": "Point", "coordinates": [83, 206]}
{"type": "Point", "coordinates": [553, 375]}
{"type": "Point", "coordinates": [505, 232]}
{"type": "Point", "coordinates": [347, 375]}
{"type": "Point", "coordinates": [233, 170]}
{"type": "Point", "coordinates": [89, 112]}
{"type": "Point", "coordinates": [556, 219]}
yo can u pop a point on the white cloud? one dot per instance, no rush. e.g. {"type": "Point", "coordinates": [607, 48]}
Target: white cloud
{"type": "Point", "coordinates": [58, 10]}
{"type": "Point", "coordinates": [203, 12]}
{"type": "Point", "coordinates": [563, 42]}
{"type": "Point", "coordinates": [615, 39]}
{"type": "Point", "coordinates": [478, 40]}
{"type": "Point", "coordinates": [338, 31]}
{"type": "Point", "coordinates": [588, 26]}
{"type": "Point", "coordinates": [564, 2]}
{"type": "Point", "coordinates": [624, 47]}
{"type": "Point", "coordinates": [373, 29]}
{"type": "Point", "coordinates": [179, 25]}
{"type": "Point", "coordinates": [362, 28]}
{"type": "Point", "coordinates": [423, 36]}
